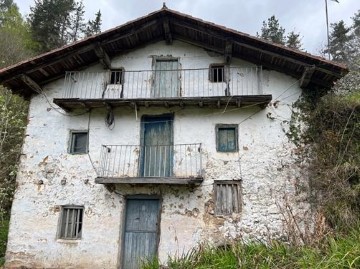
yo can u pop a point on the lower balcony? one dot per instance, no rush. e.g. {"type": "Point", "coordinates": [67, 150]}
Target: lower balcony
{"type": "Point", "coordinates": [179, 164]}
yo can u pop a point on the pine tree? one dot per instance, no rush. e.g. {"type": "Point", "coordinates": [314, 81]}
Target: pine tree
{"type": "Point", "coordinates": [94, 26]}
{"type": "Point", "coordinates": [52, 22]}
{"type": "Point", "coordinates": [272, 31]}
{"type": "Point", "coordinates": [293, 40]}
{"type": "Point", "coordinates": [78, 26]}
{"type": "Point", "coordinates": [339, 42]}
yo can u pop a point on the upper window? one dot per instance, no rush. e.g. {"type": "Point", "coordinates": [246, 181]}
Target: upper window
{"type": "Point", "coordinates": [216, 73]}
{"type": "Point", "coordinates": [226, 137]}
{"type": "Point", "coordinates": [71, 222]}
{"type": "Point", "coordinates": [227, 197]}
{"type": "Point", "coordinates": [117, 76]}
{"type": "Point", "coordinates": [78, 142]}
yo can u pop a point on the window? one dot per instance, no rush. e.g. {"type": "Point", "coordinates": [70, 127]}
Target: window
{"type": "Point", "coordinates": [71, 221]}
{"type": "Point", "coordinates": [227, 197]}
{"type": "Point", "coordinates": [117, 76]}
{"type": "Point", "coordinates": [226, 137]}
{"type": "Point", "coordinates": [78, 142]}
{"type": "Point", "coordinates": [216, 73]}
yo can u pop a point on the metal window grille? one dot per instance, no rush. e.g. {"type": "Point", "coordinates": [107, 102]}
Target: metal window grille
{"type": "Point", "coordinates": [71, 222]}
{"type": "Point", "coordinates": [227, 197]}
{"type": "Point", "coordinates": [79, 142]}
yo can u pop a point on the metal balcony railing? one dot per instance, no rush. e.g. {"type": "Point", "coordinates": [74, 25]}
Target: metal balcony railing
{"type": "Point", "coordinates": [159, 161]}
{"type": "Point", "coordinates": [192, 83]}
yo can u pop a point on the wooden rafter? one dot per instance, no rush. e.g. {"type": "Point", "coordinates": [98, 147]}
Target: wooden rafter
{"type": "Point", "coordinates": [103, 56]}
{"type": "Point", "coordinates": [306, 76]}
{"type": "Point", "coordinates": [31, 83]}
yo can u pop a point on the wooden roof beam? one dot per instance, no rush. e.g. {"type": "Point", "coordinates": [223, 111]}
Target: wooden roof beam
{"type": "Point", "coordinates": [288, 59]}
{"type": "Point", "coordinates": [167, 32]}
{"type": "Point", "coordinates": [103, 57]}
{"type": "Point", "coordinates": [31, 83]}
{"type": "Point", "coordinates": [306, 76]}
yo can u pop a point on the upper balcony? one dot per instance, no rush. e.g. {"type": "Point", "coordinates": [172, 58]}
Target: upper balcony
{"type": "Point", "coordinates": [215, 86]}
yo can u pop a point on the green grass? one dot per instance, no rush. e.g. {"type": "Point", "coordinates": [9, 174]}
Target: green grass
{"type": "Point", "coordinates": [333, 252]}
{"type": "Point", "coordinates": [4, 229]}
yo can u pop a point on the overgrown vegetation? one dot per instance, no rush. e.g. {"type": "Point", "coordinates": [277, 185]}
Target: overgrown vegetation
{"type": "Point", "coordinates": [334, 252]}
{"type": "Point", "coordinates": [4, 229]}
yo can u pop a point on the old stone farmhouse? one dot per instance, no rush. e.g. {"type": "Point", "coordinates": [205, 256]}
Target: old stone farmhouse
{"type": "Point", "coordinates": [153, 137]}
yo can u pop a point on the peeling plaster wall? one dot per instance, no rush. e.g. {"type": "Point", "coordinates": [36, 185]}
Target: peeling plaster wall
{"type": "Point", "coordinates": [50, 177]}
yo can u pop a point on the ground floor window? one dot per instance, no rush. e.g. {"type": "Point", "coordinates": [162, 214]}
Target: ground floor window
{"type": "Point", "coordinates": [71, 221]}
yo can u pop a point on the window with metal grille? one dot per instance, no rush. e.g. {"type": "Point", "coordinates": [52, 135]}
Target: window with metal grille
{"type": "Point", "coordinates": [227, 197]}
{"type": "Point", "coordinates": [117, 76]}
{"type": "Point", "coordinates": [78, 142]}
{"type": "Point", "coordinates": [71, 222]}
{"type": "Point", "coordinates": [216, 73]}
{"type": "Point", "coordinates": [226, 137]}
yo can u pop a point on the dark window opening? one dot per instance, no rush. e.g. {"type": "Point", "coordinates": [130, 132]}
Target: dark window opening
{"type": "Point", "coordinates": [216, 73]}
{"type": "Point", "coordinates": [71, 222]}
{"type": "Point", "coordinates": [226, 138]}
{"type": "Point", "coordinates": [117, 76]}
{"type": "Point", "coordinates": [227, 197]}
{"type": "Point", "coordinates": [78, 142]}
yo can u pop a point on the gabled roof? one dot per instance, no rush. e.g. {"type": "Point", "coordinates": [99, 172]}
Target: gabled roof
{"type": "Point", "coordinates": [28, 76]}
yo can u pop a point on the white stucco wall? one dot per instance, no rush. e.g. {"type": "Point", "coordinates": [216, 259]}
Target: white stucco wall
{"type": "Point", "coordinates": [50, 177]}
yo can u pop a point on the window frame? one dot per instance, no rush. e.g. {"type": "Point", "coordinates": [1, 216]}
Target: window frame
{"type": "Point", "coordinates": [215, 68]}
{"type": "Point", "coordinates": [72, 139]}
{"type": "Point", "coordinates": [62, 222]}
{"type": "Point", "coordinates": [120, 70]}
{"type": "Point", "coordinates": [218, 127]}
{"type": "Point", "coordinates": [233, 183]}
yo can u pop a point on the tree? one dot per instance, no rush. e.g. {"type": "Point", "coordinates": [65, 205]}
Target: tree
{"type": "Point", "coordinates": [293, 40]}
{"type": "Point", "coordinates": [13, 111]}
{"type": "Point", "coordinates": [55, 23]}
{"type": "Point", "coordinates": [15, 37]}
{"type": "Point", "coordinates": [94, 26]}
{"type": "Point", "coordinates": [50, 22]}
{"type": "Point", "coordinates": [272, 31]}
{"type": "Point", "coordinates": [339, 41]}
{"type": "Point", "coordinates": [77, 22]}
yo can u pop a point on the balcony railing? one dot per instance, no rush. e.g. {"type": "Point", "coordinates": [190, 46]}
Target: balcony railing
{"type": "Point", "coordinates": [145, 84]}
{"type": "Point", "coordinates": [159, 161]}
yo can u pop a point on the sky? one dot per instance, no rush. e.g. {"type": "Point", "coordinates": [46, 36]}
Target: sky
{"type": "Point", "coordinates": [304, 16]}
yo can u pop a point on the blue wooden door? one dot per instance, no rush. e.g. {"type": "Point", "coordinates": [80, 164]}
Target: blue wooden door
{"type": "Point", "coordinates": [141, 233]}
{"type": "Point", "coordinates": [166, 79]}
{"type": "Point", "coordinates": [157, 146]}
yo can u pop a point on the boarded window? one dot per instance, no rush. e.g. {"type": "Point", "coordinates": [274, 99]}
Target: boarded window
{"type": "Point", "coordinates": [226, 137]}
{"type": "Point", "coordinates": [227, 197]}
{"type": "Point", "coordinates": [216, 73]}
{"type": "Point", "coordinates": [117, 76]}
{"type": "Point", "coordinates": [78, 142]}
{"type": "Point", "coordinates": [71, 222]}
